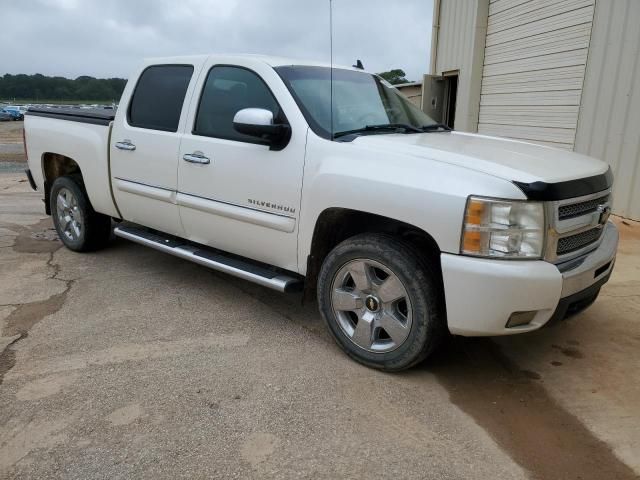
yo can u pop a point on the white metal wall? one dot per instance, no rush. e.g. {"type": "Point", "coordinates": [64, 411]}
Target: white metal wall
{"type": "Point", "coordinates": [609, 123]}
{"type": "Point", "coordinates": [534, 63]}
{"type": "Point", "coordinates": [460, 27]}
{"type": "Point", "coordinates": [456, 35]}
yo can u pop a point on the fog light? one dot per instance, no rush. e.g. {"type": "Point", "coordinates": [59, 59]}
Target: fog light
{"type": "Point", "coordinates": [517, 319]}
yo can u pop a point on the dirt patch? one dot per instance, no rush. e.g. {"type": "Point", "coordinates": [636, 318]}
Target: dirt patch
{"type": "Point", "coordinates": [515, 409]}
{"type": "Point", "coordinates": [569, 351]}
{"type": "Point", "coordinates": [125, 415]}
{"type": "Point", "coordinates": [45, 387]}
{"type": "Point", "coordinates": [38, 238]}
{"type": "Point", "coordinates": [7, 360]}
{"type": "Point", "coordinates": [629, 229]}
{"type": "Point", "coordinates": [18, 158]}
{"type": "Point", "coordinates": [25, 316]}
{"type": "Point", "coordinates": [20, 321]}
{"type": "Point", "coordinates": [11, 146]}
{"type": "Point", "coordinates": [258, 448]}
{"type": "Point", "coordinates": [36, 434]}
{"type": "Point", "coordinates": [11, 132]}
{"type": "Point", "coordinates": [531, 375]}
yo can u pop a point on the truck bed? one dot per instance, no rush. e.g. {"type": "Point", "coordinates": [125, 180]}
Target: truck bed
{"type": "Point", "coordinates": [95, 116]}
{"type": "Point", "coordinates": [80, 135]}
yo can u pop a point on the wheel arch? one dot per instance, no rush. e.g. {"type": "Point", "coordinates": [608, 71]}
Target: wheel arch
{"type": "Point", "coordinates": [55, 165]}
{"type": "Point", "coordinates": [334, 225]}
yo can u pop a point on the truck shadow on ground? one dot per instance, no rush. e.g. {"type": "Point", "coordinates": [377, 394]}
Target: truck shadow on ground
{"type": "Point", "coordinates": [511, 404]}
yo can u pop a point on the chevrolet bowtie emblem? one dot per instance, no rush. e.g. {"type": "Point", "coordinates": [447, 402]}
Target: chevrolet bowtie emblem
{"type": "Point", "coordinates": [605, 212]}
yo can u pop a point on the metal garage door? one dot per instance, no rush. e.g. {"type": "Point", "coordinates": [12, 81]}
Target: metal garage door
{"type": "Point", "coordinates": [534, 64]}
{"type": "Point", "coordinates": [609, 124]}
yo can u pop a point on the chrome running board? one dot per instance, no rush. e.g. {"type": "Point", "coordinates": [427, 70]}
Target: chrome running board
{"type": "Point", "coordinates": [211, 258]}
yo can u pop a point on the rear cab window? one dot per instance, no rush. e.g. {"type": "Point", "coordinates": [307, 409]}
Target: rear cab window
{"type": "Point", "coordinates": [158, 98]}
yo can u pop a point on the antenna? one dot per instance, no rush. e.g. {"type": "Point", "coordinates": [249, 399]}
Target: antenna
{"type": "Point", "coordinates": [331, 64]}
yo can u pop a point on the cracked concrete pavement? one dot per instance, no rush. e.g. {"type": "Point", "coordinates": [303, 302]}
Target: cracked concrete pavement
{"type": "Point", "coordinates": [130, 363]}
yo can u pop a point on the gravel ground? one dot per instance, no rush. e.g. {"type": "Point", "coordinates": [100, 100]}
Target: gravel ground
{"type": "Point", "coordinates": [128, 363]}
{"type": "Point", "coordinates": [12, 156]}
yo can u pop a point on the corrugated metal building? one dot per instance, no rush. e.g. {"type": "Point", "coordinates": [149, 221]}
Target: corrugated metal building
{"type": "Point", "coordinates": [565, 73]}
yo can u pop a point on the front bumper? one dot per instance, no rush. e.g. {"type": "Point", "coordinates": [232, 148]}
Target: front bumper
{"type": "Point", "coordinates": [482, 294]}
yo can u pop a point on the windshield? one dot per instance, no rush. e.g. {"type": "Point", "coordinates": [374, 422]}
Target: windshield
{"type": "Point", "coordinates": [359, 100]}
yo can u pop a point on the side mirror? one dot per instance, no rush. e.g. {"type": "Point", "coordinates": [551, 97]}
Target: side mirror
{"type": "Point", "coordinates": [258, 122]}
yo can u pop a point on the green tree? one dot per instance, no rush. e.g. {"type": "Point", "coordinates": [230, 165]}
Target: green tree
{"type": "Point", "coordinates": [27, 87]}
{"type": "Point", "coordinates": [395, 76]}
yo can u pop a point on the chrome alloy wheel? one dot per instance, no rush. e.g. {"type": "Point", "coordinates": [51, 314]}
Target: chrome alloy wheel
{"type": "Point", "coordinates": [371, 305]}
{"type": "Point", "coordinates": [69, 215]}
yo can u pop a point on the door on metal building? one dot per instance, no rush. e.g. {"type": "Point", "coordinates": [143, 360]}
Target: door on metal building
{"type": "Point", "coordinates": [439, 97]}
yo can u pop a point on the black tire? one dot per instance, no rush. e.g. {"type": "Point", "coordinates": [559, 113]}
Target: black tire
{"type": "Point", "coordinates": [95, 228]}
{"type": "Point", "coordinates": [421, 282]}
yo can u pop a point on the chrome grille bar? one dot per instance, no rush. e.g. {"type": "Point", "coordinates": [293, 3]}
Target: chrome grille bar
{"type": "Point", "coordinates": [581, 208]}
{"type": "Point", "coordinates": [574, 226]}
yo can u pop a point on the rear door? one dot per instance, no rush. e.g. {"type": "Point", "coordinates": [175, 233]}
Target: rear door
{"type": "Point", "coordinates": [145, 143]}
{"type": "Point", "coordinates": [246, 198]}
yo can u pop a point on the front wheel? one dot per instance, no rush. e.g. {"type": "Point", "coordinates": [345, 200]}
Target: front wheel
{"type": "Point", "coordinates": [79, 226]}
{"type": "Point", "coordinates": [381, 301]}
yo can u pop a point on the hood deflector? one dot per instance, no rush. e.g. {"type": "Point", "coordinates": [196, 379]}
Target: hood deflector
{"type": "Point", "coordinates": [544, 191]}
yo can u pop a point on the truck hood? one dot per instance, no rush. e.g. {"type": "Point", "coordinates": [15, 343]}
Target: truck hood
{"type": "Point", "coordinates": [504, 158]}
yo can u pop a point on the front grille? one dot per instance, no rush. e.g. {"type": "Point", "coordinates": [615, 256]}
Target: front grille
{"type": "Point", "coordinates": [580, 240]}
{"type": "Point", "coordinates": [582, 208]}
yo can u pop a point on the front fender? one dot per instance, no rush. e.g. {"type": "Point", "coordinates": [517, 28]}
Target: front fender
{"type": "Point", "coordinates": [427, 194]}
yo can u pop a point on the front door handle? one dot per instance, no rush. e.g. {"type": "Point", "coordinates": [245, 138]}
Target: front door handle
{"type": "Point", "coordinates": [125, 145]}
{"type": "Point", "coordinates": [196, 157]}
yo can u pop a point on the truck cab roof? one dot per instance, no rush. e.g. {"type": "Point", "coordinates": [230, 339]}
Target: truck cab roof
{"type": "Point", "coordinates": [273, 61]}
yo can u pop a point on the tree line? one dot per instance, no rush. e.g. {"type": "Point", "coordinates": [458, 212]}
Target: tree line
{"type": "Point", "coordinates": [41, 87]}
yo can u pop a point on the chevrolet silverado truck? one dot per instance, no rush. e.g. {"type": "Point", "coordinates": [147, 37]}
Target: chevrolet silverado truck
{"type": "Point", "coordinates": [300, 175]}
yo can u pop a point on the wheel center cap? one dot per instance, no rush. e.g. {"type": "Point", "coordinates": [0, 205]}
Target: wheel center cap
{"type": "Point", "coordinates": [372, 303]}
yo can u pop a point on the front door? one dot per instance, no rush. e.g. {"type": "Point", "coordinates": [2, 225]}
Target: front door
{"type": "Point", "coordinates": [144, 148]}
{"type": "Point", "coordinates": [234, 192]}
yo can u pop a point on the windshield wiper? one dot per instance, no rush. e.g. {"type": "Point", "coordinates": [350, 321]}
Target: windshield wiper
{"type": "Point", "coordinates": [435, 126]}
{"type": "Point", "coordinates": [394, 127]}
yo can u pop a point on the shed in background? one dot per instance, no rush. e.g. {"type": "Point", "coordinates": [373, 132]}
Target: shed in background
{"type": "Point", "coordinates": [411, 90]}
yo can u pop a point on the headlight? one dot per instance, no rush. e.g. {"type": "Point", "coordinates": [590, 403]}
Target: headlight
{"type": "Point", "coordinates": [503, 228]}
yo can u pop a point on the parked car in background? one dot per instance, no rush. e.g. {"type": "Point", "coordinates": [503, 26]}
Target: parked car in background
{"type": "Point", "coordinates": [16, 112]}
{"type": "Point", "coordinates": [5, 117]}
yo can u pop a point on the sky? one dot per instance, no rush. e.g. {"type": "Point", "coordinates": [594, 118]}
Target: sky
{"type": "Point", "coordinates": [107, 38]}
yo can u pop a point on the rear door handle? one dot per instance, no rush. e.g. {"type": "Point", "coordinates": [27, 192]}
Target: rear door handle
{"type": "Point", "coordinates": [196, 157]}
{"type": "Point", "coordinates": [125, 145]}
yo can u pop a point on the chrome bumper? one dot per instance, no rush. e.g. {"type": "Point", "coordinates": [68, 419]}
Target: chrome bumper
{"type": "Point", "coordinates": [580, 273]}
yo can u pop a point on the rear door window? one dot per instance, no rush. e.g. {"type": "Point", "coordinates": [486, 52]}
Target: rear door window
{"type": "Point", "coordinates": [158, 97]}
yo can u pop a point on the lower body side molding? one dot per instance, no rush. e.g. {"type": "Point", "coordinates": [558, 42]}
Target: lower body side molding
{"type": "Point", "coordinates": [212, 258]}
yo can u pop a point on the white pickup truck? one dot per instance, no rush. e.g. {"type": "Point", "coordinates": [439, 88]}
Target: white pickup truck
{"type": "Point", "coordinates": [293, 174]}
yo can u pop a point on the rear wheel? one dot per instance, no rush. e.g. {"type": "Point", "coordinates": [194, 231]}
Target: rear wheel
{"type": "Point", "coordinates": [381, 301]}
{"type": "Point", "coordinates": [79, 227]}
